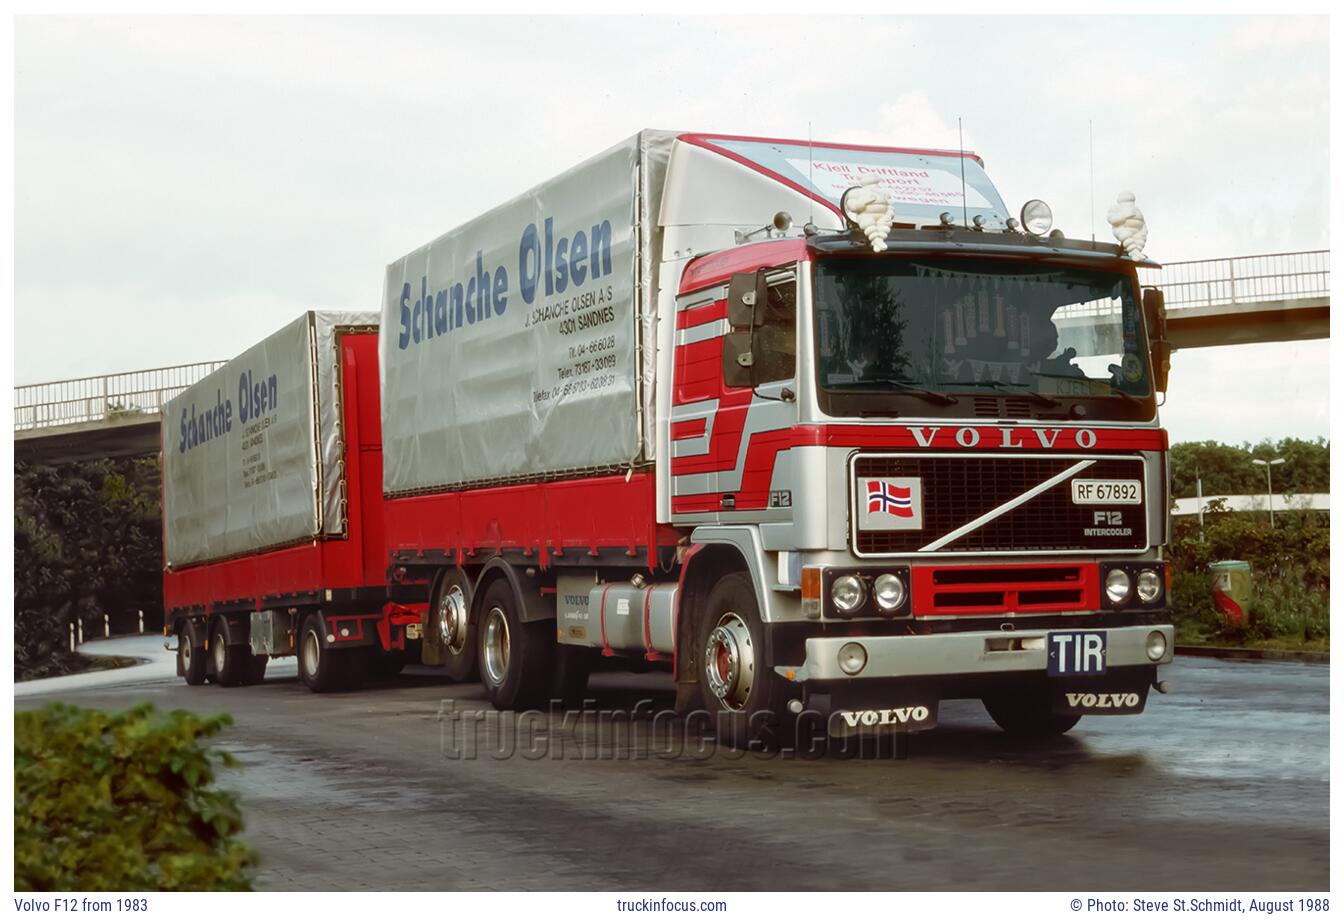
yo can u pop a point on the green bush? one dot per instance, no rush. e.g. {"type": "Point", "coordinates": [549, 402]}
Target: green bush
{"type": "Point", "coordinates": [123, 802]}
{"type": "Point", "coordinates": [1290, 574]}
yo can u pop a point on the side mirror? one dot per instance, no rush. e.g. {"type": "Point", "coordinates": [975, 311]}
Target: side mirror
{"type": "Point", "coordinates": [746, 293]}
{"type": "Point", "coordinates": [1155, 315]}
{"type": "Point", "coordinates": [739, 368]}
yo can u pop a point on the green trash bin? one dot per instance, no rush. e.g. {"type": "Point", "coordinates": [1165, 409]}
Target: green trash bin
{"type": "Point", "coordinates": [1232, 590]}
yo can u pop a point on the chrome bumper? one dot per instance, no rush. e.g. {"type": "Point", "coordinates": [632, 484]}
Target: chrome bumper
{"type": "Point", "coordinates": [947, 654]}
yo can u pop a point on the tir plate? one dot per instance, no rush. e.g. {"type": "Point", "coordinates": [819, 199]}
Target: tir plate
{"type": "Point", "coordinates": [1075, 652]}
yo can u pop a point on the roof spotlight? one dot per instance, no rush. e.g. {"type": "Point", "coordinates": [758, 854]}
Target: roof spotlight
{"type": "Point", "coordinates": [1036, 217]}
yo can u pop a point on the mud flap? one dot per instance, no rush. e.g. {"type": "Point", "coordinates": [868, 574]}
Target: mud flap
{"type": "Point", "coordinates": [1098, 698]}
{"type": "Point", "coordinates": [849, 714]}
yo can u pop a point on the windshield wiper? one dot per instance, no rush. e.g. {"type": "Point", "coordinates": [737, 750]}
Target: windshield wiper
{"type": "Point", "coordinates": [1031, 394]}
{"type": "Point", "coordinates": [922, 392]}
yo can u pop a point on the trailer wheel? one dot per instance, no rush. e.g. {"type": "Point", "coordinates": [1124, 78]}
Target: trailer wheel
{"type": "Point", "coordinates": [190, 656]}
{"type": "Point", "coordinates": [1027, 715]}
{"type": "Point", "coordinates": [454, 627]}
{"type": "Point", "coordinates": [744, 698]}
{"type": "Point", "coordinates": [515, 657]}
{"type": "Point", "coordinates": [321, 669]}
{"type": "Point", "coordinates": [230, 660]}
{"type": "Point", "coordinates": [254, 671]}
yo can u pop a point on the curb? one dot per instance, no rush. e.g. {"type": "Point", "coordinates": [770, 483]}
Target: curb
{"type": "Point", "coordinates": [1253, 654]}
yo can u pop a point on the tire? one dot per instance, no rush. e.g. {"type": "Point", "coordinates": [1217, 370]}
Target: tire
{"type": "Point", "coordinates": [569, 680]}
{"type": "Point", "coordinates": [451, 615]}
{"type": "Point", "coordinates": [515, 657]}
{"type": "Point", "coordinates": [1026, 714]}
{"type": "Point", "coordinates": [321, 669]}
{"type": "Point", "coordinates": [745, 699]}
{"type": "Point", "coordinates": [385, 665]}
{"type": "Point", "coordinates": [190, 656]}
{"type": "Point", "coordinates": [255, 670]}
{"type": "Point", "coordinates": [230, 660]}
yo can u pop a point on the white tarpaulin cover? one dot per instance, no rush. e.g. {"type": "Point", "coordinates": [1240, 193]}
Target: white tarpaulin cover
{"type": "Point", "coordinates": [253, 452]}
{"type": "Point", "coordinates": [511, 346]}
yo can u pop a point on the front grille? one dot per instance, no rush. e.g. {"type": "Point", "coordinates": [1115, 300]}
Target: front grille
{"type": "Point", "coordinates": [958, 489]}
{"type": "Point", "coordinates": [997, 589]}
{"type": "Point", "coordinates": [1002, 407]}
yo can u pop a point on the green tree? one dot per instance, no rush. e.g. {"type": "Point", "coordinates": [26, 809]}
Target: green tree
{"type": "Point", "coordinates": [86, 542]}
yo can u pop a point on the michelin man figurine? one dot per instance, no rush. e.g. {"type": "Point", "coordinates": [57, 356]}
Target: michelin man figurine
{"type": "Point", "coordinates": [1128, 225]}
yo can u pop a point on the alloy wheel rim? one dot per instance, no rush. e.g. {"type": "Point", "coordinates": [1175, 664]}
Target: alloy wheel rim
{"type": "Point", "coordinates": [496, 646]}
{"type": "Point", "coordinates": [730, 661]}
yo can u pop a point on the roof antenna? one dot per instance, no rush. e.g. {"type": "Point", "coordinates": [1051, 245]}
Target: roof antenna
{"type": "Point", "coordinates": [1091, 183]}
{"type": "Point", "coordinates": [961, 148]}
{"type": "Point", "coordinates": [812, 211]}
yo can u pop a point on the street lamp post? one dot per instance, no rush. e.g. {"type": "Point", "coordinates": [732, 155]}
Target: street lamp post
{"type": "Point", "coordinates": [1269, 482]}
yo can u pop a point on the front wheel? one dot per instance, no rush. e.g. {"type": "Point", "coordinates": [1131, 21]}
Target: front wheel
{"type": "Point", "coordinates": [745, 699]}
{"type": "Point", "coordinates": [1027, 714]}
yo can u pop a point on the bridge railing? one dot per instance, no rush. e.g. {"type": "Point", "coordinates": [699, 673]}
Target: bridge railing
{"type": "Point", "coordinates": [103, 399]}
{"type": "Point", "coordinates": [1243, 280]}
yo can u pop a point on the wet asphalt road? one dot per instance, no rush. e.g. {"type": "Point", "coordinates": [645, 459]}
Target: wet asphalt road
{"type": "Point", "coordinates": [1221, 785]}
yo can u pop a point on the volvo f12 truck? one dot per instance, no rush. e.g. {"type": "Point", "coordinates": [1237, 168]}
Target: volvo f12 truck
{"type": "Point", "coordinates": [816, 427]}
{"type": "Point", "coordinates": [272, 513]}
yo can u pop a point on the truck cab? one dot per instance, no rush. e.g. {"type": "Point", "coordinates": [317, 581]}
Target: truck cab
{"type": "Point", "coordinates": [914, 467]}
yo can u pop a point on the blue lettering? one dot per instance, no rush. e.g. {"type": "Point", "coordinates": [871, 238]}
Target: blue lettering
{"type": "Point", "coordinates": [441, 312]}
{"type": "Point", "coordinates": [428, 301]}
{"type": "Point", "coordinates": [405, 338]}
{"type": "Point", "coordinates": [498, 295]}
{"type": "Point", "coordinates": [482, 289]}
{"type": "Point", "coordinates": [601, 239]}
{"type": "Point", "coordinates": [561, 277]}
{"type": "Point", "coordinates": [550, 251]}
{"type": "Point", "coordinates": [457, 299]}
{"type": "Point", "coordinates": [578, 251]}
{"type": "Point", "coordinates": [529, 263]}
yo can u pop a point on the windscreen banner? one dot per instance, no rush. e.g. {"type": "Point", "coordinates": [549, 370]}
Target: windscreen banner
{"type": "Point", "coordinates": [509, 346]}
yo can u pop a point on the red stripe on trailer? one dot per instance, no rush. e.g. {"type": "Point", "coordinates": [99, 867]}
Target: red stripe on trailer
{"type": "Point", "coordinates": [568, 514]}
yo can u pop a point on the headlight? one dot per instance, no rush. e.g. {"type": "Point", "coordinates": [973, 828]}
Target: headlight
{"type": "Point", "coordinates": [1036, 217]}
{"type": "Point", "coordinates": [852, 658]}
{"type": "Point", "coordinates": [1117, 586]}
{"type": "Point", "coordinates": [1149, 586]}
{"type": "Point", "coordinates": [889, 591]}
{"type": "Point", "coordinates": [1157, 646]}
{"type": "Point", "coordinates": [847, 593]}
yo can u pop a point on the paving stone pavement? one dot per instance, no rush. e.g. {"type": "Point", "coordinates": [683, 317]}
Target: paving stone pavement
{"type": "Point", "coordinates": [1221, 785]}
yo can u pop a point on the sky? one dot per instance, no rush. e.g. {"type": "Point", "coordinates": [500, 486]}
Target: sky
{"type": "Point", "coordinates": [185, 186]}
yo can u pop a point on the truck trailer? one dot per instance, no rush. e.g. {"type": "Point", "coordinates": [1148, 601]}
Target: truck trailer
{"type": "Point", "coordinates": [272, 513]}
{"type": "Point", "coordinates": [817, 428]}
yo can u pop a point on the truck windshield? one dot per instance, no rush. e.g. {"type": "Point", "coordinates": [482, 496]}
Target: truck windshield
{"type": "Point", "coordinates": [1050, 334]}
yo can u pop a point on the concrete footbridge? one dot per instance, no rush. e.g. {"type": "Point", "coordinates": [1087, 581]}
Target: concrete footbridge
{"type": "Point", "coordinates": [1276, 297]}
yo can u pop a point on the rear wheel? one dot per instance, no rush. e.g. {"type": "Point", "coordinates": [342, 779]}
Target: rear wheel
{"type": "Point", "coordinates": [190, 656]}
{"type": "Point", "coordinates": [745, 699]}
{"type": "Point", "coordinates": [453, 626]}
{"type": "Point", "coordinates": [229, 659]}
{"type": "Point", "coordinates": [1027, 714]}
{"type": "Point", "coordinates": [324, 669]}
{"type": "Point", "coordinates": [515, 657]}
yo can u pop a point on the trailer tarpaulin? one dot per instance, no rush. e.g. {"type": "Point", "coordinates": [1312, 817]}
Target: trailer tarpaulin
{"type": "Point", "coordinates": [512, 346]}
{"type": "Point", "coordinates": [253, 452]}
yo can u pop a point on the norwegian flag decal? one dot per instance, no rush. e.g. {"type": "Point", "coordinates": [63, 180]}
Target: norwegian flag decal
{"type": "Point", "coordinates": [889, 503]}
{"type": "Point", "coordinates": [886, 498]}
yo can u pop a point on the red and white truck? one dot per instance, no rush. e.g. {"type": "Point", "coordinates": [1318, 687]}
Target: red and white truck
{"type": "Point", "coordinates": [820, 427]}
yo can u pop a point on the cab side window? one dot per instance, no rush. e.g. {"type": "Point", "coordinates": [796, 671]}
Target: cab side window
{"type": "Point", "coordinates": [777, 339]}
